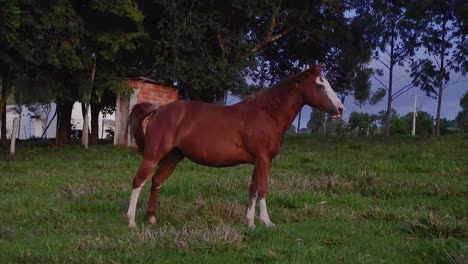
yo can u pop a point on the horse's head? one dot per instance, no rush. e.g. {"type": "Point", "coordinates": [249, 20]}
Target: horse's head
{"type": "Point", "coordinates": [319, 94]}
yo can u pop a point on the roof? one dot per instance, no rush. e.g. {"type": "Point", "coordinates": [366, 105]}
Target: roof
{"type": "Point", "coordinates": [148, 80]}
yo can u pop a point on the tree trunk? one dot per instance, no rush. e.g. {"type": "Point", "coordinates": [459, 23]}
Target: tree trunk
{"type": "Point", "coordinates": [6, 88]}
{"type": "Point", "coordinates": [95, 110]}
{"type": "Point", "coordinates": [83, 109]}
{"type": "Point", "coordinates": [64, 111]}
{"type": "Point", "coordinates": [388, 115]}
{"type": "Point", "coordinates": [4, 138]}
{"type": "Point", "coordinates": [14, 127]}
{"type": "Point", "coordinates": [121, 115]}
{"type": "Point", "coordinates": [441, 78]}
{"type": "Point", "coordinates": [85, 135]}
{"type": "Point", "coordinates": [220, 98]}
{"type": "Point", "coordinates": [439, 107]}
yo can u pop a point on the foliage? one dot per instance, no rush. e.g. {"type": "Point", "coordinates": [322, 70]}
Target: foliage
{"type": "Point", "coordinates": [449, 126]}
{"type": "Point", "coordinates": [462, 117]}
{"type": "Point", "coordinates": [443, 41]}
{"type": "Point", "coordinates": [464, 102]}
{"type": "Point", "coordinates": [394, 37]}
{"type": "Point", "coordinates": [382, 116]}
{"type": "Point", "coordinates": [424, 122]}
{"type": "Point", "coordinates": [362, 86]}
{"type": "Point", "coordinates": [198, 45]}
{"type": "Point", "coordinates": [400, 126]}
{"type": "Point", "coordinates": [377, 96]}
{"type": "Point", "coordinates": [462, 120]}
{"type": "Point", "coordinates": [210, 47]}
{"type": "Point", "coordinates": [291, 130]}
{"type": "Point", "coordinates": [316, 121]}
{"type": "Point", "coordinates": [359, 121]}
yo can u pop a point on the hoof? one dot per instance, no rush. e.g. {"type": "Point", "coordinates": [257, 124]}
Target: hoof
{"type": "Point", "coordinates": [269, 224]}
{"type": "Point", "coordinates": [152, 220]}
{"type": "Point", "coordinates": [132, 225]}
{"type": "Point", "coordinates": [250, 223]}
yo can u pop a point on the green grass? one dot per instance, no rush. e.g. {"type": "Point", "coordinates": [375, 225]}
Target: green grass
{"type": "Point", "coordinates": [334, 200]}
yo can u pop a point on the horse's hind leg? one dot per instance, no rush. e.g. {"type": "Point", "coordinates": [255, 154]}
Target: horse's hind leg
{"type": "Point", "coordinates": [138, 182]}
{"type": "Point", "coordinates": [166, 166]}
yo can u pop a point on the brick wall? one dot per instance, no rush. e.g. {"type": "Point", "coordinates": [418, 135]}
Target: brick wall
{"type": "Point", "coordinates": [154, 93]}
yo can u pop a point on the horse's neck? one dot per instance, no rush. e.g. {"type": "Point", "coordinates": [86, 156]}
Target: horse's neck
{"type": "Point", "coordinates": [283, 104]}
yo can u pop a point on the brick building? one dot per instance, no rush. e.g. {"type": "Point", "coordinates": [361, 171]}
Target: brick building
{"type": "Point", "coordinates": [144, 90]}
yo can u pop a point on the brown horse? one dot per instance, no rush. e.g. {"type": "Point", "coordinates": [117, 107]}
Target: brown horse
{"type": "Point", "coordinates": [220, 136]}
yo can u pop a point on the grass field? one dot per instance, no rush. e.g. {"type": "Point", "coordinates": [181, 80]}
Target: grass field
{"type": "Point", "coordinates": [334, 200]}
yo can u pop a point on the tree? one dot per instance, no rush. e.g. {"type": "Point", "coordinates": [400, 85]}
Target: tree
{"type": "Point", "coordinates": [5, 91]}
{"type": "Point", "coordinates": [361, 122]}
{"type": "Point", "coordinates": [291, 130]}
{"type": "Point", "coordinates": [444, 43]}
{"type": "Point", "coordinates": [338, 43]}
{"type": "Point", "coordinates": [424, 122]}
{"type": "Point", "coordinates": [199, 45]}
{"type": "Point", "coordinates": [382, 116]}
{"type": "Point", "coordinates": [464, 102]}
{"type": "Point", "coordinates": [400, 125]}
{"type": "Point", "coordinates": [46, 46]}
{"type": "Point", "coordinates": [394, 37]}
{"type": "Point", "coordinates": [119, 47]}
{"type": "Point", "coordinates": [14, 50]}
{"type": "Point", "coordinates": [462, 117]}
{"type": "Point", "coordinates": [362, 88]}
{"type": "Point", "coordinates": [65, 34]}
{"type": "Point", "coordinates": [448, 126]}
{"type": "Point", "coordinates": [217, 44]}
{"type": "Point", "coordinates": [316, 122]}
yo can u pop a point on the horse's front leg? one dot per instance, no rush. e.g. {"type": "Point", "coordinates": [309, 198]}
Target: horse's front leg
{"type": "Point", "coordinates": [252, 202]}
{"type": "Point", "coordinates": [262, 170]}
{"type": "Point", "coordinates": [138, 182]}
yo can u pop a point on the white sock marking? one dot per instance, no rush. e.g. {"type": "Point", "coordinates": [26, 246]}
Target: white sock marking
{"type": "Point", "coordinates": [131, 213]}
{"type": "Point", "coordinates": [251, 212]}
{"type": "Point", "coordinates": [264, 213]}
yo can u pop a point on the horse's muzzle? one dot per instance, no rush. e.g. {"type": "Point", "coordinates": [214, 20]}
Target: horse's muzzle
{"type": "Point", "coordinates": [339, 113]}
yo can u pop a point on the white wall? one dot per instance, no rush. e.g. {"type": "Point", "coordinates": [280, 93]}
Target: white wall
{"type": "Point", "coordinates": [33, 127]}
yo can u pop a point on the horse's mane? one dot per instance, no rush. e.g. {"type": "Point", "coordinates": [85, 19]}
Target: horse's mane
{"type": "Point", "coordinates": [273, 97]}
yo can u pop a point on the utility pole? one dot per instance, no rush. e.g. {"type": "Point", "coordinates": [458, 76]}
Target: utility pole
{"type": "Point", "coordinates": [415, 113]}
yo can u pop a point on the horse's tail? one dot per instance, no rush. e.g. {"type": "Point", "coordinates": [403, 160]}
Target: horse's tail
{"type": "Point", "coordinates": [135, 122]}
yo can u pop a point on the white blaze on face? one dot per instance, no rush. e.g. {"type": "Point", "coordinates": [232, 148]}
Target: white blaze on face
{"type": "Point", "coordinates": [331, 95]}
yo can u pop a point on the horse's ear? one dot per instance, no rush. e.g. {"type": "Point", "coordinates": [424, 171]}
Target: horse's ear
{"type": "Point", "coordinates": [318, 69]}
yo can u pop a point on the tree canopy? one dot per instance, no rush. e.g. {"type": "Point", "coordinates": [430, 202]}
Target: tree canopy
{"type": "Point", "coordinates": [208, 48]}
{"type": "Point", "coordinates": [443, 41]}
